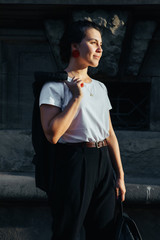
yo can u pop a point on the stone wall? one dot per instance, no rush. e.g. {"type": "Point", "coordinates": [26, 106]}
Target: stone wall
{"type": "Point", "coordinates": [131, 54]}
{"type": "Point", "coordinates": [29, 35]}
{"type": "Point", "coordinates": [140, 154]}
{"type": "Point", "coordinates": [125, 58]}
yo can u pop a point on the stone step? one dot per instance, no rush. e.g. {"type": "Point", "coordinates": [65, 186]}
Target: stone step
{"type": "Point", "coordinates": [25, 214]}
{"type": "Point", "coordinates": [21, 187]}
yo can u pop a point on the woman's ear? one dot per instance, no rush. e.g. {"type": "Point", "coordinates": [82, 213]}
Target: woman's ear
{"type": "Point", "coordinates": [75, 51]}
{"type": "Point", "coordinates": [74, 46]}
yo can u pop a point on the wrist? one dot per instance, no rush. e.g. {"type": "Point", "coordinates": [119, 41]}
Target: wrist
{"type": "Point", "coordinates": [120, 175]}
{"type": "Point", "coordinates": [76, 97]}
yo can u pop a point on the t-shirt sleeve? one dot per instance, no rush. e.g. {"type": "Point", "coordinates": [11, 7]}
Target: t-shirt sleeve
{"type": "Point", "coordinates": [108, 102]}
{"type": "Point", "coordinates": [52, 94]}
{"type": "Point", "coordinates": [107, 98]}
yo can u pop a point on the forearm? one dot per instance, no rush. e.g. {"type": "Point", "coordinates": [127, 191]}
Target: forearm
{"type": "Point", "coordinates": [114, 152]}
{"type": "Point", "coordinates": [59, 124]}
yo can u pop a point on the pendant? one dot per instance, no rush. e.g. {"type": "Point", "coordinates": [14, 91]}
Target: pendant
{"type": "Point", "coordinates": [91, 94]}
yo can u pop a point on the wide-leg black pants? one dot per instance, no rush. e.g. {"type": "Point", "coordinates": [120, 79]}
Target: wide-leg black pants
{"type": "Point", "coordinates": [82, 195]}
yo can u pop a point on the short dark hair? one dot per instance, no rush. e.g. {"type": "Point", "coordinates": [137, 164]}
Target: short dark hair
{"type": "Point", "coordinates": [74, 33]}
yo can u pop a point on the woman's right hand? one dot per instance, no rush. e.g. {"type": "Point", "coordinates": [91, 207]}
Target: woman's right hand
{"type": "Point", "coordinates": [75, 87]}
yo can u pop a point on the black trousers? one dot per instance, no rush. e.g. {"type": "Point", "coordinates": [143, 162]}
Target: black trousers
{"type": "Point", "coordinates": [82, 195]}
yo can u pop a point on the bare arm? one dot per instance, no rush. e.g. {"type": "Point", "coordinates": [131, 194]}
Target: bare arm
{"type": "Point", "coordinates": [54, 121]}
{"type": "Point", "coordinates": [114, 151]}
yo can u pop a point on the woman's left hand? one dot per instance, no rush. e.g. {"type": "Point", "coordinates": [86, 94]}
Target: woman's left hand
{"type": "Point", "coordinates": [120, 188]}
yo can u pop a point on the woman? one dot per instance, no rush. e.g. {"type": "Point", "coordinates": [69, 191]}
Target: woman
{"type": "Point", "coordinates": [75, 116]}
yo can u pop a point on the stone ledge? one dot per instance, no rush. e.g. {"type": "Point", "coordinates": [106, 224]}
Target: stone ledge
{"type": "Point", "coordinates": [21, 187]}
{"type": "Point", "coordinates": [142, 194]}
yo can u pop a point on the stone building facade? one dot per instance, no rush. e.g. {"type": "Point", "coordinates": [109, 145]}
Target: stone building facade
{"type": "Point", "coordinates": [29, 38]}
{"type": "Point", "coordinates": [130, 67]}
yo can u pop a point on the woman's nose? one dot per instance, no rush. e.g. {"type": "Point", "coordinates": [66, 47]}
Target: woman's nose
{"type": "Point", "coordinates": [99, 49]}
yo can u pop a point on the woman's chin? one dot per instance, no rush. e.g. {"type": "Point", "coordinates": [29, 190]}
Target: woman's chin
{"type": "Point", "coordinates": [94, 64]}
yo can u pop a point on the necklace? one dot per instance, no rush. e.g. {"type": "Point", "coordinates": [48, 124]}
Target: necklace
{"type": "Point", "coordinates": [90, 93]}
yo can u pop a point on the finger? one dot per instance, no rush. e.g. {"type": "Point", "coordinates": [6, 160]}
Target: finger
{"type": "Point", "coordinates": [123, 197]}
{"type": "Point", "coordinates": [69, 84]}
{"type": "Point", "coordinates": [79, 82]}
{"type": "Point", "coordinates": [74, 79]}
{"type": "Point", "coordinates": [117, 192]}
{"type": "Point", "coordinates": [123, 192]}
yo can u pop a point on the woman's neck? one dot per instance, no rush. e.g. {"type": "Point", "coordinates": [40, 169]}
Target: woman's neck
{"type": "Point", "coordinates": [79, 72]}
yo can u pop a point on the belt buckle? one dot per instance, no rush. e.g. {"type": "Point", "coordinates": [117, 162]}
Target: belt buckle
{"type": "Point", "coordinates": [97, 144]}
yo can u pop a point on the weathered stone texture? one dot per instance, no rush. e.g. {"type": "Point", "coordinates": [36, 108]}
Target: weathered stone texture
{"type": "Point", "coordinates": [152, 60]}
{"type": "Point", "coordinates": [25, 222]}
{"type": "Point", "coordinates": [54, 30]}
{"type": "Point", "coordinates": [20, 187]}
{"type": "Point", "coordinates": [141, 37]}
{"type": "Point", "coordinates": [34, 222]}
{"type": "Point", "coordinates": [154, 112]}
{"type": "Point", "coordinates": [140, 153]}
{"type": "Point", "coordinates": [16, 151]}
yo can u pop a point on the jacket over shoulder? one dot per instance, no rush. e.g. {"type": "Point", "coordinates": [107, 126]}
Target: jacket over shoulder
{"type": "Point", "coordinates": [44, 151]}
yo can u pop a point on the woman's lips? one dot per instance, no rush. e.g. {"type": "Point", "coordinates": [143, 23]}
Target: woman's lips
{"type": "Point", "coordinates": [97, 57]}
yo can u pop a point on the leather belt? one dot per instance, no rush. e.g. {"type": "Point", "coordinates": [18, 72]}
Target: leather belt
{"type": "Point", "coordinates": [90, 144]}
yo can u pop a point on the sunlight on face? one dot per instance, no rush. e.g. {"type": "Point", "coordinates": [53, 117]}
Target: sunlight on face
{"type": "Point", "coordinates": [90, 47]}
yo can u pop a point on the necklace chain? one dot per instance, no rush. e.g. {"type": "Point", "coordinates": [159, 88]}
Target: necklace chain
{"type": "Point", "coordinates": [90, 93]}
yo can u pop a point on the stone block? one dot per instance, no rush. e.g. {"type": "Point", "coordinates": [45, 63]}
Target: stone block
{"type": "Point", "coordinates": [151, 64]}
{"type": "Point", "coordinates": [54, 31]}
{"type": "Point", "coordinates": [140, 153]}
{"type": "Point", "coordinates": [20, 187]}
{"type": "Point", "coordinates": [25, 222]}
{"type": "Point", "coordinates": [16, 151]}
{"type": "Point", "coordinates": [154, 109]}
{"type": "Point", "coordinates": [141, 37]}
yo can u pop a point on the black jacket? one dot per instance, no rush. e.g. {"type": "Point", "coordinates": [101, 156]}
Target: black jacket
{"type": "Point", "coordinates": [44, 151]}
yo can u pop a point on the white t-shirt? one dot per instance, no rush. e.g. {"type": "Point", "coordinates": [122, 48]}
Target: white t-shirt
{"type": "Point", "coordinates": [91, 122]}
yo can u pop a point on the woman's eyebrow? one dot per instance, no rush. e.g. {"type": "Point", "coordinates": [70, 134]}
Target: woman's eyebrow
{"type": "Point", "coordinates": [94, 39]}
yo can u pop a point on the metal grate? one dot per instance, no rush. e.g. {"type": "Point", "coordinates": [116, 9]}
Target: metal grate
{"type": "Point", "coordinates": [131, 105]}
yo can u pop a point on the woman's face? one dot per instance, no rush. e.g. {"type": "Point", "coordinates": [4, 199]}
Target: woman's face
{"type": "Point", "coordinates": [90, 48]}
